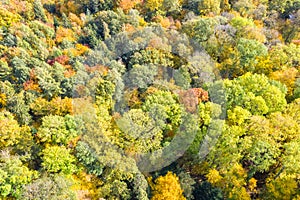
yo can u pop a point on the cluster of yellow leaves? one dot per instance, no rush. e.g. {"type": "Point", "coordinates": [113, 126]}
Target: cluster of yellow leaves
{"type": "Point", "coordinates": [57, 106]}
{"type": "Point", "coordinates": [66, 6]}
{"type": "Point", "coordinates": [252, 184]}
{"type": "Point", "coordinates": [75, 20]}
{"type": "Point", "coordinates": [213, 176]}
{"type": "Point", "coordinates": [283, 187]}
{"type": "Point", "coordinates": [164, 21]}
{"type": "Point", "coordinates": [126, 5]}
{"type": "Point", "coordinates": [153, 5]}
{"type": "Point", "coordinates": [167, 187]}
{"type": "Point", "coordinates": [209, 6]}
{"type": "Point", "coordinates": [7, 18]}
{"type": "Point", "coordinates": [86, 185]}
{"type": "Point", "coordinates": [287, 77]}
{"type": "Point", "coordinates": [79, 50]}
{"type": "Point", "coordinates": [233, 181]}
{"type": "Point", "coordinates": [10, 131]}
{"type": "Point", "coordinates": [65, 34]}
{"type": "Point", "coordinates": [2, 100]}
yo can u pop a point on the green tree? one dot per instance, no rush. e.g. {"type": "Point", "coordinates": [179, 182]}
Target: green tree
{"type": "Point", "coordinates": [187, 183]}
{"type": "Point", "coordinates": [244, 58]}
{"type": "Point", "coordinates": [141, 76]}
{"type": "Point", "coordinates": [201, 29]}
{"type": "Point", "coordinates": [49, 187]}
{"type": "Point", "coordinates": [39, 11]}
{"type": "Point", "coordinates": [47, 82]}
{"type": "Point", "coordinates": [88, 158]}
{"type": "Point", "coordinates": [164, 108]}
{"type": "Point", "coordinates": [282, 6]}
{"type": "Point", "coordinates": [13, 176]}
{"type": "Point", "coordinates": [256, 93]}
{"type": "Point", "coordinates": [58, 130]}
{"type": "Point", "coordinates": [141, 134]}
{"type": "Point", "coordinates": [58, 159]}
{"type": "Point", "coordinates": [5, 71]}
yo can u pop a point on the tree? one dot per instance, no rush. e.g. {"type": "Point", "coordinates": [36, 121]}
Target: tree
{"type": "Point", "coordinates": [296, 92]}
{"type": "Point", "coordinates": [141, 76]}
{"type": "Point", "coordinates": [287, 77]}
{"type": "Point", "coordinates": [154, 5]}
{"type": "Point", "coordinates": [106, 23]}
{"type": "Point", "coordinates": [13, 176]}
{"type": "Point", "coordinates": [200, 29]}
{"type": "Point", "coordinates": [88, 158]}
{"type": "Point", "coordinates": [50, 86]}
{"type": "Point", "coordinates": [57, 106]}
{"type": "Point", "coordinates": [8, 18]}
{"type": "Point", "coordinates": [256, 93]}
{"type": "Point", "coordinates": [140, 186]}
{"type": "Point", "coordinates": [49, 187]}
{"type": "Point", "coordinates": [115, 189]}
{"type": "Point", "coordinates": [126, 5]}
{"type": "Point", "coordinates": [39, 11]}
{"type": "Point", "coordinates": [95, 6]}
{"type": "Point", "coordinates": [209, 6]}
{"type": "Point", "coordinates": [58, 159]}
{"type": "Point", "coordinates": [244, 58]}
{"type": "Point", "coordinates": [248, 51]}
{"type": "Point", "coordinates": [243, 7]}
{"type": "Point", "coordinates": [164, 108]}
{"type": "Point", "coordinates": [5, 71]}
{"type": "Point", "coordinates": [141, 134]}
{"type": "Point", "coordinates": [17, 104]}
{"type": "Point", "coordinates": [152, 56]}
{"type": "Point", "coordinates": [13, 135]}
{"type": "Point", "coordinates": [284, 187]}
{"type": "Point", "coordinates": [266, 147]}
{"type": "Point", "coordinates": [20, 69]}
{"type": "Point", "coordinates": [187, 183]}
{"type": "Point", "coordinates": [282, 6]}
{"type": "Point", "coordinates": [58, 130]}
{"type": "Point", "coordinates": [167, 187]}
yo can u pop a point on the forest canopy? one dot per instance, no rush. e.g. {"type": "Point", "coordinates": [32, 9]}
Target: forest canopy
{"type": "Point", "coordinates": [149, 99]}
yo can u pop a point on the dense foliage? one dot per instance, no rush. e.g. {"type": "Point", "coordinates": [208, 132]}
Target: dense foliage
{"type": "Point", "coordinates": [150, 99]}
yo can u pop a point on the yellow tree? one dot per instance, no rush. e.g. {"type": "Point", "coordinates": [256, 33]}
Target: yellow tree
{"type": "Point", "coordinates": [12, 134]}
{"type": "Point", "coordinates": [287, 77]}
{"type": "Point", "coordinates": [154, 4]}
{"type": "Point", "coordinates": [209, 6]}
{"type": "Point", "coordinates": [167, 188]}
{"type": "Point", "coordinates": [126, 5]}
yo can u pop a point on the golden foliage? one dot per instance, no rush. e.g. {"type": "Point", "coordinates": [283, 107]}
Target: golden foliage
{"type": "Point", "coordinates": [2, 100]}
{"type": "Point", "coordinates": [79, 50]}
{"type": "Point", "coordinates": [287, 77]}
{"type": "Point", "coordinates": [283, 187]}
{"type": "Point", "coordinates": [213, 176]}
{"type": "Point", "coordinates": [252, 184]}
{"type": "Point", "coordinates": [209, 6]}
{"type": "Point", "coordinates": [153, 5]}
{"type": "Point", "coordinates": [65, 34]}
{"type": "Point", "coordinates": [86, 186]}
{"type": "Point", "coordinates": [167, 188]}
{"type": "Point", "coordinates": [57, 106]}
{"type": "Point", "coordinates": [126, 5]}
{"type": "Point", "coordinates": [7, 18]}
{"type": "Point", "coordinates": [75, 20]}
